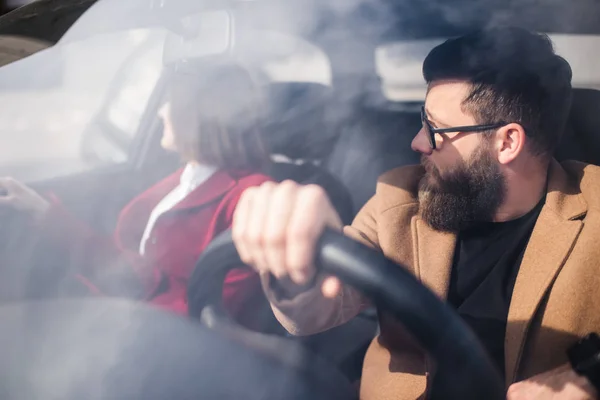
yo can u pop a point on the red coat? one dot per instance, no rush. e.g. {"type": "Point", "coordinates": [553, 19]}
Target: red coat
{"type": "Point", "coordinates": [108, 264]}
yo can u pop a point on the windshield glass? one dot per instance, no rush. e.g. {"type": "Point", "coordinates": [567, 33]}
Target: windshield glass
{"type": "Point", "coordinates": [129, 129]}
{"type": "Point", "coordinates": [106, 79]}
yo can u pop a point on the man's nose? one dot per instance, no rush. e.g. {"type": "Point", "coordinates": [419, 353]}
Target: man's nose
{"type": "Point", "coordinates": [421, 144]}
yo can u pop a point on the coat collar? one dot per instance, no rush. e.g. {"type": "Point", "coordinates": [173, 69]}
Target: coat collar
{"type": "Point", "coordinates": [554, 235]}
{"type": "Point", "coordinates": [214, 187]}
{"type": "Point", "coordinates": [135, 215]}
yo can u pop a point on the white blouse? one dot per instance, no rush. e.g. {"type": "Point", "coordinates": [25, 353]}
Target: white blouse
{"type": "Point", "coordinates": [193, 175]}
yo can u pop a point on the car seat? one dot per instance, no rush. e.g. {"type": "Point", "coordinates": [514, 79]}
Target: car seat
{"type": "Point", "coordinates": [371, 142]}
{"type": "Point", "coordinates": [297, 131]}
{"type": "Point", "coordinates": [300, 129]}
{"type": "Point", "coordinates": [296, 120]}
{"type": "Point", "coordinates": [309, 173]}
{"type": "Point", "coordinates": [581, 140]}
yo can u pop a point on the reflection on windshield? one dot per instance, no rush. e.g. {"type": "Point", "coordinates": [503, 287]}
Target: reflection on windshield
{"type": "Point", "coordinates": [117, 71]}
{"type": "Point", "coordinates": [94, 92]}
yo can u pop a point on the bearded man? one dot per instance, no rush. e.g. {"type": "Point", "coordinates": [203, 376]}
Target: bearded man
{"type": "Point", "coordinates": [489, 221]}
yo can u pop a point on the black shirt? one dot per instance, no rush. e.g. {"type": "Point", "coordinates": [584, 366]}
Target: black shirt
{"type": "Point", "coordinates": [486, 263]}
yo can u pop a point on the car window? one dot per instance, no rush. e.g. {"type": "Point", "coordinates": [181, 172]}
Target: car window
{"type": "Point", "coordinates": [100, 83]}
{"type": "Point", "coordinates": [399, 64]}
{"type": "Point", "coordinates": [138, 79]}
{"type": "Point", "coordinates": [115, 125]}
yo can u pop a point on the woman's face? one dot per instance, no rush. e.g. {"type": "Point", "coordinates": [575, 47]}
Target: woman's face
{"type": "Point", "coordinates": [168, 139]}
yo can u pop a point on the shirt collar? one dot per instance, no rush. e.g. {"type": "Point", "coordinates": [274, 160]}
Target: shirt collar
{"type": "Point", "coordinates": [195, 174]}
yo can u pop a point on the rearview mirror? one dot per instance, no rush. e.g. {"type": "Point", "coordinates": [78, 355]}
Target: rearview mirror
{"type": "Point", "coordinates": [204, 34]}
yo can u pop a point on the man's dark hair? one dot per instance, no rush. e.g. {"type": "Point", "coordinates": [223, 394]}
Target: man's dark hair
{"type": "Point", "coordinates": [516, 77]}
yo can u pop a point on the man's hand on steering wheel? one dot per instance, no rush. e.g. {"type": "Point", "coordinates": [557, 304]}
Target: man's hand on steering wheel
{"type": "Point", "coordinates": [276, 227]}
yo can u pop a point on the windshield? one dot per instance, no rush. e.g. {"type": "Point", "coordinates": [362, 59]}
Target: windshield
{"type": "Point", "coordinates": [132, 127]}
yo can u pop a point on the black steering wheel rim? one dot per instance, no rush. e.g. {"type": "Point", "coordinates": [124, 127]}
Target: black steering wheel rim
{"type": "Point", "coordinates": [464, 370]}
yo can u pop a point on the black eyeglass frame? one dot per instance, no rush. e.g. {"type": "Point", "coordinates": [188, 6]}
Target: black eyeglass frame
{"type": "Point", "coordinates": [466, 129]}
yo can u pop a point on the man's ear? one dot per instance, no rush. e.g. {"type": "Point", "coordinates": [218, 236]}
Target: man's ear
{"type": "Point", "coordinates": [510, 142]}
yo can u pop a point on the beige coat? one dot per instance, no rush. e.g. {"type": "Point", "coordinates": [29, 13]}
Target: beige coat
{"type": "Point", "coordinates": [556, 298]}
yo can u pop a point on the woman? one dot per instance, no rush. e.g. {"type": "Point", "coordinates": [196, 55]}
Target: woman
{"type": "Point", "coordinates": [212, 119]}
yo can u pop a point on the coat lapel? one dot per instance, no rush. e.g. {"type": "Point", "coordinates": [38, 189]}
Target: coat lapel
{"type": "Point", "coordinates": [434, 255]}
{"type": "Point", "coordinates": [214, 188]}
{"type": "Point", "coordinates": [552, 239]}
{"type": "Point", "coordinates": [134, 217]}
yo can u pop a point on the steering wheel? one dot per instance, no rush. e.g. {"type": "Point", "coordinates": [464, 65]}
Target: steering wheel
{"type": "Point", "coordinates": [464, 370]}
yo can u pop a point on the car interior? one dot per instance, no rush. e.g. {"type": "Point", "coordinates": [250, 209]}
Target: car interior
{"type": "Point", "coordinates": [340, 135]}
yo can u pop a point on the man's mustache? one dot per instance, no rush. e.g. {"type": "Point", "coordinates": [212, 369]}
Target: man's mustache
{"type": "Point", "coordinates": [430, 168]}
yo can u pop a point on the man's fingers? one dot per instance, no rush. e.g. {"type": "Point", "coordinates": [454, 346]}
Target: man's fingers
{"type": "Point", "coordinates": [281, 205]}
{"type": "Point", "coordinates": [254, 233]}
{"type": "Point", "coordinates": [276, 228]}
{"type": "Point", "coordinates": [306, 224]}
{"type": "Point", "coordinates": [240, 224]}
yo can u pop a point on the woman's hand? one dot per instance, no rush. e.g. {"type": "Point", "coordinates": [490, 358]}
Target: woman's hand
{"type": "Point", "coordinates": [21, 198]}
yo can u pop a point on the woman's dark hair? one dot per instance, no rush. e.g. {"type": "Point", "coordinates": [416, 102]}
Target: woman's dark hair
{"type": "Point", "coordinates": [516, 77]}
{"type": "Point", "coordinates": [217, 115]}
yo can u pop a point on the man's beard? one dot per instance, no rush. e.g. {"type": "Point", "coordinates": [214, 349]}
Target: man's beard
{"type": "Point", "coordinates": [472, 192]}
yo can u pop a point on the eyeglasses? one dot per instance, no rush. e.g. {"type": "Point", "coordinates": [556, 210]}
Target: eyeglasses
{"type": "Point", "coordinates": [431, 131]}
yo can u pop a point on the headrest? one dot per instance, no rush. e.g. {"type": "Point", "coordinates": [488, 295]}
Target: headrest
{"type": "Point", "coordinates": [582, 138]}
{"type": "Point", "coordinates": [295, 122]}
{"type": "Point", "coordinates": [585, 112]}
{"type": "Point", "coordinates": [399, 64]}
{"type": "Point", "coordinates": [294, 98]}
